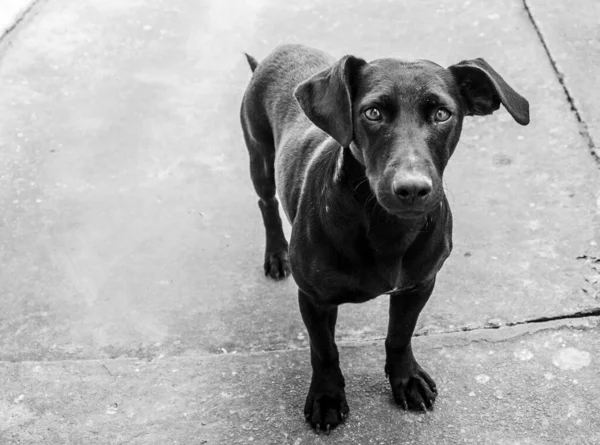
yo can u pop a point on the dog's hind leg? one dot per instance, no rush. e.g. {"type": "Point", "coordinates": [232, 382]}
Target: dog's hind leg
{"type": "Point", "coordinates": [262, 172]}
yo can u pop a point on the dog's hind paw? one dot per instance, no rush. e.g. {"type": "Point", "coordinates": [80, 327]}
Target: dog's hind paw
{"type": "Point", "coordinates": [277, 265]}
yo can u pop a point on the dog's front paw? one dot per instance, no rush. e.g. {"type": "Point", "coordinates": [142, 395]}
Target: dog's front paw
{"type": "Point", "coordinates": [416, 390]}
{"type": "Point", "coordinates": [326, 405]}
{"type": "Point", "coordinates": [277, 265]}
{"type": "Point", "coordinates": [326, 411]}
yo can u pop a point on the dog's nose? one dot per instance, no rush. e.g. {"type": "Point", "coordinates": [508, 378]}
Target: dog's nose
{"type": "Point", "coordinates": [412, 187]}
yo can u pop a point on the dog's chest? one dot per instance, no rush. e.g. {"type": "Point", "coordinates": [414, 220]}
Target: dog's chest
{"type": "Point", "coordinates": [382, 268]}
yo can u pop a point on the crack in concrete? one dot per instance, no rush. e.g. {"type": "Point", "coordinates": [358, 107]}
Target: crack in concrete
{"type": "Point", "coordinates": [537, 324]}
{"type": "Point", "coordinates": [583, 127]}
{"type": "Point", "coordinates": [457, 337]}
{"type": "Point", "coordinates": [508, 331]}
{"type": "Point", "coordinates": [592, 312]}
{"type": "Point", "coordinates": [504, 330]}
{"type": "Point", "coordinates": [18, 19]}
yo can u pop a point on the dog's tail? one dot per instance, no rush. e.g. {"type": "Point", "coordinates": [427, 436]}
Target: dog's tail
{"type": "Point", "coordinates": [251, 61]}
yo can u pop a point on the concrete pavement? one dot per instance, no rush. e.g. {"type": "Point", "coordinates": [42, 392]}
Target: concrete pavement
{"type": "Point", "coordinates": [135, 310]}
{"type": "Point", "coordinates": [507, 386]}
{"type": "Point", "coordinates": [573, 40]}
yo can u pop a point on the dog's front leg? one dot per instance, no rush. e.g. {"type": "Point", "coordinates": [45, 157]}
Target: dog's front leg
{"type": "Point", "coordinates": [326, 404]}
{"type": "Point", "coordinates": [411, 385]}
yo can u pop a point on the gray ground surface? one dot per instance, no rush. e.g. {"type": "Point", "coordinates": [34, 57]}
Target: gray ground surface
{"type": "Point", "coordinates": [506, 386]}
{"type": "Point", "coordinates": [135, 310]}
{"type": "Point", "coordinates": [572, 36]}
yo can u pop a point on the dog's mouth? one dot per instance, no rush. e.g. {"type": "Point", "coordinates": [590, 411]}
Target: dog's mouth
{"type": "Point", "coordinates": [411, 214]}
{"type": "Point", "coordinates": [393, 206]}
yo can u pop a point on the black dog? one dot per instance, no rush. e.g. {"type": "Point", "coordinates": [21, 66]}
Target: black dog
{"type": "Point", "coordinates": [357, 151]}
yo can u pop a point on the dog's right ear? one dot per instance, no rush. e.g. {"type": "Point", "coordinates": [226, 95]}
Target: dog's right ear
{"type": "Point", "coordinates": [326, 98]}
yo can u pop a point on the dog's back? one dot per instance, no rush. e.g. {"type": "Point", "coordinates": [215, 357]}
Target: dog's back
{"type": "Point", "coordinates": [274, 124]}
{"type": "Point", "coordinates": [269, 106]}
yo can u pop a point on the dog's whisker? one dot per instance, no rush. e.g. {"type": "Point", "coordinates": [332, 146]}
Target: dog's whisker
{"type": "Point", "coordinates": [448, 191]}
{"type": "Point", "coordinates": [360, 183]}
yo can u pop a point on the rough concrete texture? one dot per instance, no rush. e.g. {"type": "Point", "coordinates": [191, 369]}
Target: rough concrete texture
{"type": "Point", "coordinates": [501, 387]}
{"type": "Point", "coordinates": [131, 226]}
{"type": "Point", "coordinates": [572, 36]}
{"type": "Point", "coordinates": [130, 237]}
{"type": "Point", "coordinates": [11, 12]}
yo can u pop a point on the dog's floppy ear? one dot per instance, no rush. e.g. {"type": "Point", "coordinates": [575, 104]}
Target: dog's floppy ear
{"type": "Point", "coordinates": [326, 98]}
{"type": "Point", "coordinates": [483, 89]}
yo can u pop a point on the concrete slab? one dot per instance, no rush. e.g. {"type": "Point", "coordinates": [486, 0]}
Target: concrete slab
{"type": "Point", "coordinates": [497, 387]}
{"type": "Point", "coordinates": [11, 12]}
{"type": "Point", "coordinates": [130, 227]}
{"type": "Point", "coordinates": [573, 39]}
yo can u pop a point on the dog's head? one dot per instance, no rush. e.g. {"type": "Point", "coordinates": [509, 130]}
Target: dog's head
{"type": "Point", "coordinates": [402, 120]}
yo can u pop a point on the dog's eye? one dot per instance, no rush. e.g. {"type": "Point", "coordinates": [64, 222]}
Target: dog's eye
{"type": "Point", "coordinates": [373, 114]}
{"type": "Point", "coordinates": [442, 115]}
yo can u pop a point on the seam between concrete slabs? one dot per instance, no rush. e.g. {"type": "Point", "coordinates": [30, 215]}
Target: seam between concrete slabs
{"type": "Point", "coordinates": [583, 127]}
{"type": "Point", "coordinates": [28, 12]}
{"type": "Point", "coordinates": [428, 342]}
